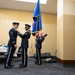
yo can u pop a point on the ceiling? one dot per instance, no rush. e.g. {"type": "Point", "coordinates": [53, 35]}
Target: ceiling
{"type": "Point", "coordinates": [50, 7]}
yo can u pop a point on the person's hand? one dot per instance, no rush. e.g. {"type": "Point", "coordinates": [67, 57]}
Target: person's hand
{"type": "Point", "coordinates": [45, 35]}
{"type": "Point", "coordinates": [37, 35]}
{"type": "Point", "coordinates": [15, 45]}
{"type": "Point", "coordinates": [17, 30]}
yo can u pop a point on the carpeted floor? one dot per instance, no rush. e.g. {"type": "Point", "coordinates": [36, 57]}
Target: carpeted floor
{"type": "Point", "coordinates": [32, 69]}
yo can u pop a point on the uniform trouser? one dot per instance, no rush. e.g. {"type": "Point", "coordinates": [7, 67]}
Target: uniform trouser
{"type": "Point", "coordinates": [38, 56]}
{"type": "Point", "coordinates": [9, 56]}
{"type": "Point", "coordinates": [24, 56]}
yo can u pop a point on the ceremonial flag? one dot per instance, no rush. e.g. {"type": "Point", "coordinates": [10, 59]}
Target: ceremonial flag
{"type": "Point", "coordinates": [37, 24]}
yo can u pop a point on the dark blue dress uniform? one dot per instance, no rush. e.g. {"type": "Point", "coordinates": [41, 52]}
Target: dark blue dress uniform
{"type": "Point", "coordinates": [11, 43]}
{"type": "Point", "coordinates": [38, 46]}
{"type": "Point", "coordinates": [24, 46]}
{"type": "Point", "coordinates": [13, 37]}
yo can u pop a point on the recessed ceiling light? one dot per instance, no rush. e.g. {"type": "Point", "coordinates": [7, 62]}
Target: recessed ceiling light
{"type": "Point", "coordinates": [33, 1]}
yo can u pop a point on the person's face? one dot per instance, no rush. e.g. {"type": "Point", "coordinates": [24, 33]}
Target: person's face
{"type": "Point", "coordinates": [26, 28]}
{"type": "Point", "coordinates": [15, 26]}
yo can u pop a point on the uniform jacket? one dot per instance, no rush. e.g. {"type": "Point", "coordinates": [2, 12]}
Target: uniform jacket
{"type": "Point", "coordinates": [39, 41]}
{"type": "Point", "coordinates": [12, 36]}
{"type": "Point", "coordinates": [25, 37]}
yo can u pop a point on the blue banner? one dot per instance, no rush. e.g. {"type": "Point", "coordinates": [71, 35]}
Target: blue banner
{"type": "Point", "coordinates": [37, 24]}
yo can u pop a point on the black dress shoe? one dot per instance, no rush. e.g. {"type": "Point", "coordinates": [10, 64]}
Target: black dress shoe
{"type": "Point", "coordinates": [22, 66]}
{"type": "Point", "coordinates": [8, 67]}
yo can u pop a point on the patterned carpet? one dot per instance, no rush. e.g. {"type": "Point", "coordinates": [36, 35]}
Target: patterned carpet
{"type": "Point", "coordinates": [32, 69]}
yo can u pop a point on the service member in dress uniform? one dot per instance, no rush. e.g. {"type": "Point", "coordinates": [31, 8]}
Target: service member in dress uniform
{"type": "Point", "coordinates": [39, 39]}
{"type": "Point", "coordinates": [25, 45]}
{"type": "Point", "coordinates": [12, 45]}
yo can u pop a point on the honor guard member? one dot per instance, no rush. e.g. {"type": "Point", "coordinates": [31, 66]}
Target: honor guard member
{"type": "Point", "coordinates": [39, 39]}
{"type": "Point", "coordinates": [25, 45]}
{"type": "Point", "coordinates": [12, 45]}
